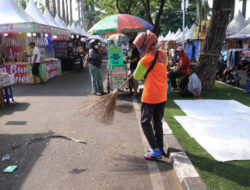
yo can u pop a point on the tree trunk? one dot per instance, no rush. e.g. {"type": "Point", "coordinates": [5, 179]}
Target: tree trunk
{"type": "Point", "coordinates": [86, 18]}
{"type": "Point", "coordinates": [71, 12]}
{"type": "Point", "coordinates": [58, 7]}
{"type": "Point", "coordinates": [207, 63]}
{"type": "Point", "coordinates": [54, 7]}
{"type": "Point", "coordinates": [232, 12]}
{"type": "Point", "coordinates": [82, 13]}
{"type": "Point", "coordinates": [63, 10]}
{"type": "Point", "coordinates": [156, 24]}
{"type": "Point", "coordinates": [67, 12]}
{"type": "Point", "coordinates": [244, 6]}
{"type": "Point", "coordinates": [47, 4]}
{"type": "Point", "coordinates": [198, 17]}
{"type": "Point", "coordinates": [79, 10]}
{"type": "Point", "coordinates": [205, 10]}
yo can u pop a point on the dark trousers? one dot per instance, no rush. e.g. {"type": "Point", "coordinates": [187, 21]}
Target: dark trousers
{"type": "Point", "coordinates": [153, 113]}
{"type": "Point", "coordinates": [172, 76]}
{"type": "Point", "coordinates": [184, 87]}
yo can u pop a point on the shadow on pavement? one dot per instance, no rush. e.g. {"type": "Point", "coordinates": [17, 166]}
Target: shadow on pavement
{"type": "Point", "coordinates": [138, 165]}
{"type": "Point", "coordinates": [236, 171]}
{"type": "Point", "coordinates": [8, 109]}
{"type": "Point", "coordinates": [68, 84]}
{"type": "Point", "coordinates": [24, 157]}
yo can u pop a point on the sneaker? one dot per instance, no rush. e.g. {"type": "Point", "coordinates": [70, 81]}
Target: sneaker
{"type": "Point", "coordinates": [153, 155]}
{"type": "Point", "coordinates": [161, 149]}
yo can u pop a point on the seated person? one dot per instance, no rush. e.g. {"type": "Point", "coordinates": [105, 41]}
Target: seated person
{"type": "Point", "coordinates": [182, 67]}
{"type": "Point", "coordinates": [171, 65]}
{"type": "Point", "coordinates": [191, 85]}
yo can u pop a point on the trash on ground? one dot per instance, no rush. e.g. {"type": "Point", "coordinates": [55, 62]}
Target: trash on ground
{"type": "Point", "coordinates": [6, 157]}
{"type": "Point", "coordinates": [46, 137]}
{"type": "Point", "coordinates": [10, 169]}
{"type": "Point", "coordinates": [78, 171]}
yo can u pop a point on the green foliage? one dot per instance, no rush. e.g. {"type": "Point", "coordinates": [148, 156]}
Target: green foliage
{"type": "Point", "coordinates": [22, 3]}
{"type": "Point", "coordinates": [171, 18]}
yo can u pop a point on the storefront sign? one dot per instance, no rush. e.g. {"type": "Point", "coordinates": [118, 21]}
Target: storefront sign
{"type": "Point", "coordinates": [115, 56]}
{"type": "Point", "coordinates": [117, 76]}
{"type": "Point", "coordinates": [23, 72]}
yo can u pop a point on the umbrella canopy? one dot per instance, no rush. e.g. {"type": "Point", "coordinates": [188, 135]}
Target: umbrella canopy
{"type": "Point", "coordinates": [12, 13]}
{"type": "Point", "coordinates": [35, 13]}
{"type": "Point", "coordinates": [119, 38]}
{"type": "Point", "coordinates": [120, 23]}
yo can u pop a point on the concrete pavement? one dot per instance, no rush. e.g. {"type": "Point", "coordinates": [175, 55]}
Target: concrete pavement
{"type": "Point", "coordinates": [112, 159]}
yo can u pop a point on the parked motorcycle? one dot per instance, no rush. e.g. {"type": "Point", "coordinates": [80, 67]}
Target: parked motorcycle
{"type": "Point", "coordinates": [231, 76]}
{"type": "Point", "coordinates": [79, 61]}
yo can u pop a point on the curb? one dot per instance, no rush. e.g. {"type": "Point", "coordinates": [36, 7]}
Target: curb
{"type": "Point", "coordinates": [243, 90]}
{"type": "Point", "coordinates": [184, 169]}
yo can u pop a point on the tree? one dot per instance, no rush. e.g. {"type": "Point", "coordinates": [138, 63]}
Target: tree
{"type": "Point", "coordinates": [67, 12]}
{"type": "Point", "coordinates": [47, 4]}
{"type": "Point", "coordinates": [148, 12]}
{"type": "Point", "coordinates": [54, 7]}
{"type": "Point", "coordinates": [71, 12]}
{"type": "Point", "coordinates": [244, 6]}
{"type": "Point", "coordinates": [22, 3]}
{"type": "Point", "coordinates": [207, 63]}
{"type": "Point", "coordinates": [63, 10]}
{"type": "Point", "coordinates": [232, 12]}
{"type": "Point", "coordinates": [126, 7]}
{"type": "Point", "coordinates": [58, 8]}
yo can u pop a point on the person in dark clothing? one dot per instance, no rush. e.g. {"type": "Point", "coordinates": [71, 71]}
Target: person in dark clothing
{"type": "Point", "coordinates": [95, 62]}
{"type": "Point", "coordinates": [193, 53]}
{"type": "Point", "coordinates": [135, 57]}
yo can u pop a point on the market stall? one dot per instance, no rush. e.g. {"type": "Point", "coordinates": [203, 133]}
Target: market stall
{"type": "Point", "coordinates": [121, 23]}
{"type": "Point", "coordinates": [17, 30]}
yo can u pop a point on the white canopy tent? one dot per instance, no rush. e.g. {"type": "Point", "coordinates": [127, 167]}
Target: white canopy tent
{"type": "Point", "coordinates": [81, 31]}
{"type": "Point", "coordinates": [12, 13]}
{"type": "Point", "coordinates": [60, 22]}
{"type": "Point", "coordinates": [178, 32]}
{"type": "Point", "coordinates": [167, 36]}
{"type": "Point", "coordinates": [35, 13]}
{"type": "Point", "coordinates": [160, 38]}
{"type": "Point", "coordinates": [74, 29]}
{"type": "Point", "coordinates": [189, 33]}
{"type": "Point", "coordinates": [180, 36]}
{"type": "Point", "coordinates": [49, 18]}
{"type": "Point", "coordinates": [244, 33]}
{"type": "Point", "coordinates": [237, 24]}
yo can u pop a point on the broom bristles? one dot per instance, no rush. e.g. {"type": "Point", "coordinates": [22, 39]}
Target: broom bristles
{"type": "Point", "coordinates": [101, 108]}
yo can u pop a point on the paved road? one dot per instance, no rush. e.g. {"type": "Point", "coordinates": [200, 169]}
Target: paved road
{"type": "Point", "coordinates": [112, 159]}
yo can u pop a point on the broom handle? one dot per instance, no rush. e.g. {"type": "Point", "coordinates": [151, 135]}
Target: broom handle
{"type": "Point", "coordinates": [123, 84]}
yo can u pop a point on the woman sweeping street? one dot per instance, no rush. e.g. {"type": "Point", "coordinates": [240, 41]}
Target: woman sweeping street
{"type": "Point", "coordinates": [152, 67]}
{"type": "Point", "coordinates": [95, 62]}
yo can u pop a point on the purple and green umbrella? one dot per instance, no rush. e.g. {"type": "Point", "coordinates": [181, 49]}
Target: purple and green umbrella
{"type": "Point", "coordinates": [120, 23]}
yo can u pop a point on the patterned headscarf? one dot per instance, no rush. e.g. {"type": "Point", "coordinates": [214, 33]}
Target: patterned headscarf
{"type": "Point", "coordinates": [149, 39]}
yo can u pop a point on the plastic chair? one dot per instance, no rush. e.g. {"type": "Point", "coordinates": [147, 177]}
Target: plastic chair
{"type": "Point", "coordinates": [8, 94]}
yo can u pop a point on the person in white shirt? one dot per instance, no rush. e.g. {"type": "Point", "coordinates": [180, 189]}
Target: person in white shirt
{"type": "Point", "coordinates": [35, 62]}
{"type": "Point", "coordinates": [191, 85]}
